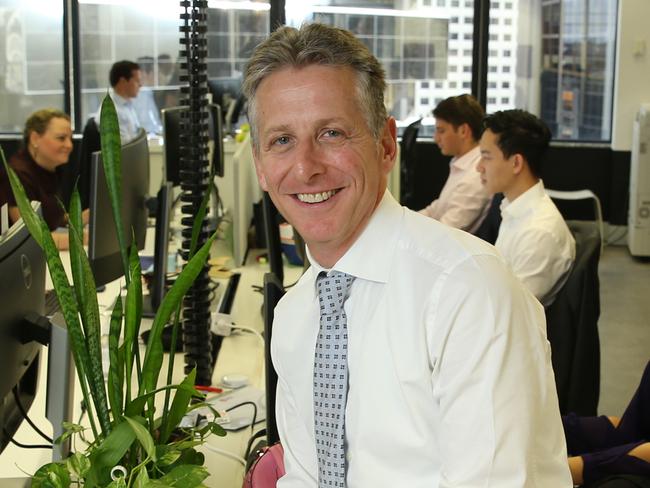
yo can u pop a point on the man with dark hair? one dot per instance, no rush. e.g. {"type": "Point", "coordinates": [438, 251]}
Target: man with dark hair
{"type": "Point", "coordinates": [145, 105]}
{"type": "Point", "coordinates": [400, 353]}
{"type": "Point", "coordinates": [125, 80]}
{"type": "Point", "coordinates": [463, 201]}
{"type": "Point", "coordinates": [533, 237]}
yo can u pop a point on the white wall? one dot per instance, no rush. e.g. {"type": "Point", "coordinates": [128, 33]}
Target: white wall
{"type": "Point", "coordinates": [632, 85]}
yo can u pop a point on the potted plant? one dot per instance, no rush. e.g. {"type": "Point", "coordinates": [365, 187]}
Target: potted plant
{"type": "Point", "coordinates": [131, 445]}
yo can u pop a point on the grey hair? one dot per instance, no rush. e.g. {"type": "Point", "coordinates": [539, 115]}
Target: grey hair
{"type": "Point", "coordinates": [318, 44]}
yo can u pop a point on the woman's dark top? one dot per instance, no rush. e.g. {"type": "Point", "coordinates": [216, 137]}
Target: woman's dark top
{"type": "Point", "coordinates": [39, 184]}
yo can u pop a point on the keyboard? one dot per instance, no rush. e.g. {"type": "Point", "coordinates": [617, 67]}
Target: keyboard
{"type": "Point", "coordinates": [51, 303]}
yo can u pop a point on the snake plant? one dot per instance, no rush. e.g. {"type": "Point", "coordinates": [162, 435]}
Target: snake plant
{"type": "Point", "coordinates": [129, 445]}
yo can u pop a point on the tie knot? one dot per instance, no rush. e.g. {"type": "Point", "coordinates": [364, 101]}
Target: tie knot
{"type": "Point", "coordinates": [333, 291]}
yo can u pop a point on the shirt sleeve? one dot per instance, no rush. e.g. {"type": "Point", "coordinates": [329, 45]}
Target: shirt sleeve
{"type": "Point", "coordinates": [431, 210]}
{"type": "Point", "coordinates": [465, 203]}
{"type": "Point", "coordinates": [493, 383]}
{"type": "Point", "coordinates": [539, 260]}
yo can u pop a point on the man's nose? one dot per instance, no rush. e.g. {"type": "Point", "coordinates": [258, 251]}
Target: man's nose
{"type": "Point", "coordinates": [309, 160]}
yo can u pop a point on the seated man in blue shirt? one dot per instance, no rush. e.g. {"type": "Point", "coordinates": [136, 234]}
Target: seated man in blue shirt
{"type": "Point", "coordinates": [125, 79]}
{"type": "Point", "coordinates": [533, 237]}
{"type": "Point", "coordinates": [407, 354]}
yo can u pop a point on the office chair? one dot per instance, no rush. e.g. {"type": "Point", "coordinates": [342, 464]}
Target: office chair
{"type": "Point", "coordinates": [583, 195]}
{"type": "Point", "coordinates": [489, 228]}
{"type": "Point", "coordinates": [572, 326]}
{"type": "Point", "coordinates": [407, 147]}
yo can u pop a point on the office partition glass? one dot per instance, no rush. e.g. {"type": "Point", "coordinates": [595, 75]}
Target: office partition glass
{"type": "Point", "coordinates": [147, 32]}
{"type": "Point", "coordinates": [425, 47]}
{"type": "Point", "coordinates": [31, 60]}
{"type": "Point", "coordinates": [555, 58]}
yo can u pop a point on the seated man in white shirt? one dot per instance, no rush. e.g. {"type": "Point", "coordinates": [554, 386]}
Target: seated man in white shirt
{"type": "Point", "coordinates": [533, 236]}
{"type": "Point", "coordinates": [400, 353]}
{"type": "Point", "coordinates": [463, 201]}
{"type": "Point", "coordinates": [125, 82]}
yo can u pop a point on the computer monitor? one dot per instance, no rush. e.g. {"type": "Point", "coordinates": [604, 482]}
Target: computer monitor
{"type": "Point", "coordinates": [161, 246]}
{"type": "Point", "coordinates": [226, 92]}
{"type": "Point", "coordinates": [172, 136]}
{"type": "Point", "coordinates": [272, 235]}
{"type": "Point", "coordinates": [273, 292]}
{"type": "Point", "coordinates": [22, 288]}
{"type": "Point", "coordinates": [103, 247]}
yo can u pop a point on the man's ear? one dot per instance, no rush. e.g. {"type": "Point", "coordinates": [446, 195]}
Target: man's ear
{"type": "Point", "coordinates": [389, 145]}
{"type": "Point", "coordinates": [34, 137]}
{"type": "Point", "coordinates": [518, 163]}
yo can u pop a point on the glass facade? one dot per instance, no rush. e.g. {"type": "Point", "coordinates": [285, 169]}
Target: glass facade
{"type": "Point", "coordinates": [554, 58]}
{"type": "Point", "coordinates": [31, 60]}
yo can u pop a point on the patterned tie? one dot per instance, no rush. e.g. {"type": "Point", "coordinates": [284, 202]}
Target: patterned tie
{"type": "Point", "coordinates": [331, 379]}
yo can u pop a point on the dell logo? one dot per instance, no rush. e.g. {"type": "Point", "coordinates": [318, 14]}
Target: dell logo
{"type": "Point", "coordinates": [26, 268]}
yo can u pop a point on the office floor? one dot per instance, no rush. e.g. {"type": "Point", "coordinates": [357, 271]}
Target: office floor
{"type": "Point", "coordinates": [624, 326]}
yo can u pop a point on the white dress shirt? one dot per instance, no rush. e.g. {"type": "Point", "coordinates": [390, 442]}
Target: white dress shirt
{"type": "Point", "coordinates": [450, 378]}
{"type": "Point", "coordinates": [535, 240]}
{"type": "Point", "coordinates": [147, 111]}
{"type": "Point", "coordinates": [126, 117]}
{"type": "Point", "coordinates": [463, 201]}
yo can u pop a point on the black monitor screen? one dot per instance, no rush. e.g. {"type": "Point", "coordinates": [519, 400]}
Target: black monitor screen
{"type": "Point", "coordinates": [226, 92]}
{"type": "Point", "coordinates": [103, 247]}
{"type": "Point", "coordinates": [172, 134]}
{"type": "Point", "coordinates": [272, 234]}
{"type": "Point", "coordinates": [22, 288]}
{"type": "Point", "coordinates": [273, 292]}
{"type": "Point", "coordinates": [161, 246]}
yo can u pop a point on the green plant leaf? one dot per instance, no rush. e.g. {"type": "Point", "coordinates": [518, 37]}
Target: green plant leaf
{"type": "Point", "coordinates": [178, 409]}
{"type": "Point", "coordinates": [132, 318]}
{"type": "Point", "coordinates": [109, 452]}
{"type": "Point", "coordinates": [183, 476]}
{"type": "Point", "coordinates": [142, 479]}
{"type": "Point", "coordinates": [118, 483]}
{"type": "Point", "coordinates": [154, 352]}
{"type": "Point", "coordinates": [143, 436]}
{"type": "Point", "coordinates": [216, 429]}
{"type": "Point", "coordinates": [69, 429]}
{"type": "Point", "coordinates": [90, 318]}
{"type": "Point", "coordinates": [136, 406]}
{"type": "Point", "coordinates": [78, 464]}
{"type": "Point", "coordinates": [109, 131]}
{"type": "Point", "coordinates": [167, 455]}
{"type": "Point", "coordinates": [32, 221]}
{"type": "Point", "coordinates": [115, 380]}
{"type": "Point", "coordinates": [75, 221]}
{"type": "Point", "coordinates": [52, 475]}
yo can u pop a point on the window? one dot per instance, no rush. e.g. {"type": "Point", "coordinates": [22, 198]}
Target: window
{"type": "Point", "coordinates": [467, 52]}
{"type": "Point", "coordinates": [454, 3]}
{"type": "Point", "coordinates": [573, 43]}
{"type": "Point", "coordinates": [453, 84]}
{"type": "Point", "coordinates": [424, 85]}
{"type": "Point", "coordinates": [492, 53]}
{"type": "Point", "coordinates": [492, 84]}
{"type": "Point", "coordinates": [469, 20]}
{"type": "Point", "coordinates": [467, 84]}
{"type": "Point", "coordinates": [491, 100]}
{"type": "Point", "coordinates": [31, 63]}
{"type": "Point", "coordinates": [412, 43]}
{"type": "Point", "coordinates": [494, 37]}
{"type": "Point", "coordinates": [467, 69]}
{"type": "Point", "coordinates": [468, 36]}
{"type": "Point", "coordinates": [494, 21]}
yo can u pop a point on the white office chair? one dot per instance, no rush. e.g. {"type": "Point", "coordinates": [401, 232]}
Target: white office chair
{"type": "Point", "coordinates": [583, 195]}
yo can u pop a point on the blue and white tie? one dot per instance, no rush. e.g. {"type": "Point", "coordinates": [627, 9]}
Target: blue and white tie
{"type": "Point", "coordinates": [331, 379]}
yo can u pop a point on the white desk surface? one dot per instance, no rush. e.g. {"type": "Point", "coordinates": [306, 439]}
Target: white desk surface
{"type": "Point", "coordinates": [240, 353]}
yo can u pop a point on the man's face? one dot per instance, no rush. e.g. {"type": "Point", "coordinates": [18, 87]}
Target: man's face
{"type": "Point", "coordinates": [132, 86]}
{"type": "Point", "coordinates": [497, 171]}
{"type": "Point", "coordinates": [317, 158]}
{"type": "Point", "coordinates": [448, 138]}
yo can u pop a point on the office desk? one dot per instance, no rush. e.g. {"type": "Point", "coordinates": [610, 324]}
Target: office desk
{"type": "Point", "coordinates": [241, 353]}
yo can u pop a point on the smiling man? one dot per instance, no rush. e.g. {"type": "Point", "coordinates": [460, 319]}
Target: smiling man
{"type": "Point", "coordinates": [407, 354]}
{"type": "Point", "coordinates": [463, 200]}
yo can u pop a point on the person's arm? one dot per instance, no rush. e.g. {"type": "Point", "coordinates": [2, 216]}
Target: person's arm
{"type": "Point", "coordinates": [465, 203]}
{"type": "Point", "coordinates": [539, 261]}
{"type": "Point", "coordinates": [493, 383]}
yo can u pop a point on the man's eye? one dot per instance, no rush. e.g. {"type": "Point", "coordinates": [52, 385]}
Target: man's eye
{"type": "Point", "coordinates": [283, 140]}
{"type": "Point", "coordinates": [332, 133]}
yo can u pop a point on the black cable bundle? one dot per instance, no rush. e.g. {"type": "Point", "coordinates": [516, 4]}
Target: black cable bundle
{"type": "Point", "coordinates": [194, 177]}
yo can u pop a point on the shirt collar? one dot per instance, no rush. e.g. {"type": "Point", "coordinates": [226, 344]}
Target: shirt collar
{"type": "Point", "coordinates": [119, 99]}
{"type": "Point", "coordinates": [466, 161]}
{"type": "Point", "coordinates": [523, 202]}
{"type": "Point", "coordinates": [370, 257]}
